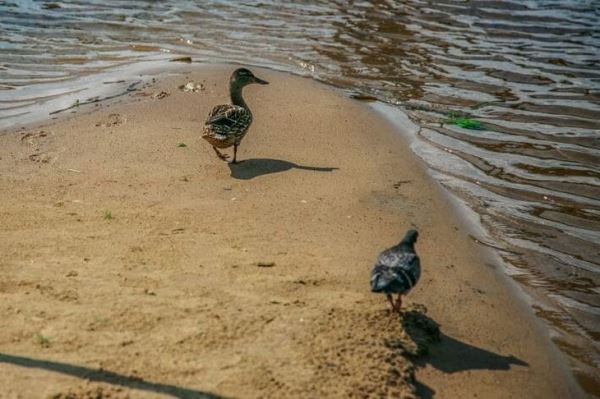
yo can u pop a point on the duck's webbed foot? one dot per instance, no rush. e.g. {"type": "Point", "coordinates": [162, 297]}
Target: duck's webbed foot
{"type": "Point", "coordinates": [235, 147]}
{"type": "Point", "coordinates": [221, 156]}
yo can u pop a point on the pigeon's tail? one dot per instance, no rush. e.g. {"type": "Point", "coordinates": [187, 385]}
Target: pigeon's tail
{"type": "Point", "coordinates": [391, 281]}
{"type": "Point", "coordinates": [378, 282]}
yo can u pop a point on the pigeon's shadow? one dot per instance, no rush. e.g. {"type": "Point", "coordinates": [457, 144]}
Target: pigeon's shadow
{"type": "Point", "coordinates": [251, 168]}
{"type": "Point", "coordinates": [452, 355]}
{"type": "Point", "coordinates": [105, 376]}
{"type": "Point", "coordinates": [443, 352]}
{"type": "Point", "coordinates": [448, 354]}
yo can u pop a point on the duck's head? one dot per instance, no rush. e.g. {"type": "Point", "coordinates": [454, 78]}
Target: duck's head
{"type": "Point", "coordinates": [242, 77]}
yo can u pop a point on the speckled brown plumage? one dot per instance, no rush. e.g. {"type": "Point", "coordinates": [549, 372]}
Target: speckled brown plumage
{"type": "Point", "coordinates": [227, 124]}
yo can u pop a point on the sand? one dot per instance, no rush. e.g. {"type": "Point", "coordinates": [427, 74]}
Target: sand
{"type": "Point", "coordinates": [137, 264]}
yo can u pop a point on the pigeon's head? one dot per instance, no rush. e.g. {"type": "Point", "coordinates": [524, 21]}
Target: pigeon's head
{"type": "Point", "coordinates": [410, 237]}
{"type": "Point", "coordinates": [242, 77]}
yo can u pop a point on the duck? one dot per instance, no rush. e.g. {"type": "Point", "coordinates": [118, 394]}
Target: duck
{"type": "Point", "coordinates": [397, 270]}
{"type": "Point", "coordinates": [227, 124]}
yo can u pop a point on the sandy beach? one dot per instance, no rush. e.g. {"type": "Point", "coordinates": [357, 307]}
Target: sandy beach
{"type": "Point", "coordinates": [137, 264]}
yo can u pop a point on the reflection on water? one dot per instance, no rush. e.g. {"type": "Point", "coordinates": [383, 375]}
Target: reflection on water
{"type": "Point", "coordinates": [529, 71]}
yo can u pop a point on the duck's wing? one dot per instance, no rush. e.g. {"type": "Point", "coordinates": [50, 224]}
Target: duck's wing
{"type": "Point", "coordinates": [395, 271]}
{"type": "Point", "coordinates": [228, 116]}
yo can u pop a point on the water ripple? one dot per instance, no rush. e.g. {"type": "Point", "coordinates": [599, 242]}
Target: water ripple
{"type": "Point", "coordinates": [527, 70]}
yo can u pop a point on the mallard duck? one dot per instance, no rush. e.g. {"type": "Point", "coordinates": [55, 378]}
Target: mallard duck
{"type": "Point", "coordinates": [397, 270]}
{"type": "Point", "coordinates": [227, 124]}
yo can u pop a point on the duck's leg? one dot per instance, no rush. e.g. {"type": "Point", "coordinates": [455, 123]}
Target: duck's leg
{"type": "Point", "coordinates": [398, 303]}
{"type": "Point", "coordinates": [222, 156]}
{"type": "Point", "coordinates": [235, 146]}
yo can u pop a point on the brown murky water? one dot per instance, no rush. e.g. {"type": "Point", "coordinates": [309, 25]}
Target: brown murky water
{"type": "Point", "coordinates": [528, 71]}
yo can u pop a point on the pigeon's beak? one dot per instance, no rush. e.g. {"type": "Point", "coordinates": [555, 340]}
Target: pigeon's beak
{"type": "Point", "coordinates": [260, 81]}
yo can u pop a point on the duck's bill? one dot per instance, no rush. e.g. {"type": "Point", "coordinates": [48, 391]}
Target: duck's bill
{"type": "Point", "coordinates": [260, 81]}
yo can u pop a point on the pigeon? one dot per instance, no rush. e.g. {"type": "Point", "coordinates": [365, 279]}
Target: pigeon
{"type": "Point", "coordinates": [397, 270]}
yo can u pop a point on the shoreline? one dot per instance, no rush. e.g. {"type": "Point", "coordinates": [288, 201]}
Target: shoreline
{"type": "Point", "coordinates": [50, 102]}
{"type": "Point", "coordinates": [118, 177]}
{"type": "Point", "coordinates": [468, 220]}
{"type": "Point", "coordinates": [53, 102]}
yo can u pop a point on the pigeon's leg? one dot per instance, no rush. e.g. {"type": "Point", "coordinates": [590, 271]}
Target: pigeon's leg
{"type": "Point", "coordinates": [235, 146]}
{"type": "Point", "coordinates": [223, 157]}
{"type": "Point", "coordinates": [398, 303]}
{"type": "Point", "coordinates": [391, 301]}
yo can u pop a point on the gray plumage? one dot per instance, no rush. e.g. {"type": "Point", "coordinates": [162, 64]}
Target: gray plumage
{"type": "Point", "coordinates": [397, 269]}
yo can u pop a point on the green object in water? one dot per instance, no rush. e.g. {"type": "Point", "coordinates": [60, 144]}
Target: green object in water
{"type": "Point", "coordinates": [464, 122]}
{"type": "Point", "coordinates": [181, 145]}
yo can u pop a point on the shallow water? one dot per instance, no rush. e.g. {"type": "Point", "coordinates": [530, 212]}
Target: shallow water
{"type": "Point", "coordinates": [529, 71]}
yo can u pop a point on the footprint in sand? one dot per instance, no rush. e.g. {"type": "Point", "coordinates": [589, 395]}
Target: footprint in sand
{"type": "Point", "coordinates": [93, 391]}
{"type": "Point", "coordinates": [35, 139]}
{"type": "Point", "coordinates": [112, 120]}
{"type": "Point", "coordinates": [42, 158]}
{"type": "Point", "coordinates": [40, 143]}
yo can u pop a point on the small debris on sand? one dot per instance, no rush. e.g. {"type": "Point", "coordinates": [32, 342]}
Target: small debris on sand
{"type": "Point", "coordinates": [51, 6]}
{"type": "Point", "coordinates": [187, 60]}
{"type": "Point", "coordinates": [363, 97]}
{"type": "Point", "coordinates": [161, 95]}
{"type": "Point", "coordinates": [192, 87]}
{"type": "Point", "coordinates": [111, 121]}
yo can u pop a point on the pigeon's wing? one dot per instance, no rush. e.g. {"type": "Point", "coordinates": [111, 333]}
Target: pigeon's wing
{"type": "Point", "coordinates": [415, 269]}
{"type": "Point", "coordinates": [395, 258]}
{"type": "Point", "coordinates": [228, 116]}
{"type": "Point", "coordinates": [395, 271]}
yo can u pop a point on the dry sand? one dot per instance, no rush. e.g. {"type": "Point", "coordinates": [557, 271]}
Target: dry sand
{"type": "Point", "coordinates": [133, 266]}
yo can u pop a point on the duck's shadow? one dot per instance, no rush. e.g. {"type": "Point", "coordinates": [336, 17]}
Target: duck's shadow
{"type": "Point", "coordinates": [251, 168]}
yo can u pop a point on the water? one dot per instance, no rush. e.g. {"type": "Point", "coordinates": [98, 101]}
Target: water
{"type": "Point", "coordinates": [528, 70]}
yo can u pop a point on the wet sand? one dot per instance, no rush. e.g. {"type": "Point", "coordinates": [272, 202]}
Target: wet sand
{"type": "Point", "coordinates": [137, 264]}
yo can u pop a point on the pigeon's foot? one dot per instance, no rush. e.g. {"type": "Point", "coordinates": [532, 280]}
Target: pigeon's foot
{"type": "Point", "coordinates": [398, 306]}
{"type": "Point", "coordinates": [391, 301]}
